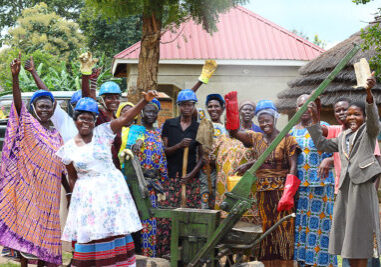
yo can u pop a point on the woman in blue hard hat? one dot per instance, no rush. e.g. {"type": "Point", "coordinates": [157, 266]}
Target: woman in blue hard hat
{"type": "Point", "coordinates": [61, 119]}
{"type": "Point", "coordinates": [277, 248]}
{"type": "Point", "coordinates": [177, 134]}
{"type": "Point", "coordinates": [102, 213]}
{"type": "Point", "coordinates": [30, 178]}
{"type": "Point", "coordinates": [109, 98]}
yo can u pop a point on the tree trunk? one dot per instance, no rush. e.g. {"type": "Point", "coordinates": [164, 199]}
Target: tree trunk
{"type": "Point", "coordinates": [148, 65]}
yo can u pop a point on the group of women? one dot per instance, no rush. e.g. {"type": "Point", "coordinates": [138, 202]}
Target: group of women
{"type": "Point", "coordinates": [45, 147]}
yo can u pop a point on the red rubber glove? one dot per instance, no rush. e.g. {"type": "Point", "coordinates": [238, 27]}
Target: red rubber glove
{"type": "Point", "coordinates": [232, 115]}
{"type": "Point", "coordinates": [286, 202]}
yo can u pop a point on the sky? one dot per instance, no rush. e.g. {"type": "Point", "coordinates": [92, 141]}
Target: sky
{"type": "Point", "coordinates": [332, 20]}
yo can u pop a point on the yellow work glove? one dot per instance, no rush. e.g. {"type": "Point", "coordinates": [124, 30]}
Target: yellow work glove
{"type": "Point", "coordinates": [126, 155]}
{"type": "Point", "coordinates": [87, 63]}
{"type": "Point", "coordinates": [208, 69]}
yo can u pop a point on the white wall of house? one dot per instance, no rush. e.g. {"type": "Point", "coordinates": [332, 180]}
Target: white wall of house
{"type": "Point", "coordinates": [252, 82]}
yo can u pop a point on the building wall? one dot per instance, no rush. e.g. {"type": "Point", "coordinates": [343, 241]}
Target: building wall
{"type": "Point", "coordinates": [251, 82]}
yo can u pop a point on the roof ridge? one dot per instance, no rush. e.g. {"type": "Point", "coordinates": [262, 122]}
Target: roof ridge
{"type": "Point", "coordinates": [274, 25]}
{"type": "Point", "coordinates": [130, 49]}
{"type": "Point", "coordinates": [295, 48]}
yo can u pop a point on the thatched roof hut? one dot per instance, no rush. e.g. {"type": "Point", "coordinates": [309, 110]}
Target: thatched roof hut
{"type": "Point", "coordinates": [313, 73]}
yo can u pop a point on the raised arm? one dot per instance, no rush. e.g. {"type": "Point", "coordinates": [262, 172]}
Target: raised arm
{"type": "Point", "coordinates": [15, 69]}
{"type": "Point", "coordinates": [316, 132]}
{"type": "Point", "coordinates": [94, 82]}
{"type": "Point", "coordinates": [372, 116]}
{"type": "Point", "coordinates": [242, 136]}
{"type": "Point", "coordinates": [90, 90]}
{"type": "Point", "coordinates": [29, 66]}
{"type": "Point", "coordinates": [117, 124]}
{"type": "Point", "coordinates": [196, 86]}
{"type": "Point", "coordinates": [86, 87]}
{"type": "Point", "coordinates": [322, 143]}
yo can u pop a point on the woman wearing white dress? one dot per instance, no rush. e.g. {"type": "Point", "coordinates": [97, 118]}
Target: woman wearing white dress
{"type": "Point", "coordinates": [102, 213]}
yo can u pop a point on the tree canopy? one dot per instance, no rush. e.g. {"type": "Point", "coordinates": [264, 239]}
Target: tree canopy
{"type": "Point", "coordinates": [38, 28]}
{"type": "Point", "coordinates": [372, 39]}
{"type": "Point", "coordinates": [170, 11]}
{"type": "Point", "coordinates": [11, 10]}
{"type": "Point", "coordinates": [109, 36]}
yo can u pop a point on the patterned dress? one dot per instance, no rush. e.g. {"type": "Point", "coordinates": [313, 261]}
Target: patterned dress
{"type": "Point", "coordinates": [30, 187]}
{"type": "Point", "coordinates": [101, 204]}
{"type": "Point", "coordinates": [279, 244]}
{"type": "Point", "coordinates": [230, 154]}
{"type": "Point", "coordinates": [152, 157]}
{"type": "Point", "coordinates": [314, 206]}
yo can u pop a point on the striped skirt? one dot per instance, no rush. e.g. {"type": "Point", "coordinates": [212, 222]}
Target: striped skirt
{"type": "Point", "coordinates": [279, 244]}
{"type": "Point", "coordinates": [115, 251]}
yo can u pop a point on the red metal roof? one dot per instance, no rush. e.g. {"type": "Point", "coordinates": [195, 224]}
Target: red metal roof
{"type": "Point", "coordinates": [241, 34]}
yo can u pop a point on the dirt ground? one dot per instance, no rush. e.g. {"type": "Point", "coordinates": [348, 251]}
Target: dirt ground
{"type": "Point", "coordinates": [66, 248]}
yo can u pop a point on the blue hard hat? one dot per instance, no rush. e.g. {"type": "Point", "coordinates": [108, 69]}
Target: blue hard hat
{"type": "Point", "coordinates": [75, 97]}
{"type": "Point", "coordinates": [39, 94]}
{"type": "Point", "coordinates": [87, 104]}
{"type": "Point", "coordinates": [265, 104]}
{"type": "Point", "coordinates": [217, 97]}
{"type": "Point", "coordinates": [109, 88]}
{"type": "Point", "coordinates": [186, 95]}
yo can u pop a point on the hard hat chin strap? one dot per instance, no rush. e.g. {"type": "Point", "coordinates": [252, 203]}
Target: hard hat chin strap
{"type": "Point", "coordinates": [102, 102]}
{"type": "Point", "coordinates": [35, 113]}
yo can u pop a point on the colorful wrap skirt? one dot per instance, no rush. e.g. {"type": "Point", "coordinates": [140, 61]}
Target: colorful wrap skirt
{"type": "Point", "coordinates": [279, 244]}
{"type": "Point", "coordinates": [115, 251]}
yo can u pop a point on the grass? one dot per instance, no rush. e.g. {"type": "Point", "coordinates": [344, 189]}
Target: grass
{"type": "Point", "coordinates": [9, 265]}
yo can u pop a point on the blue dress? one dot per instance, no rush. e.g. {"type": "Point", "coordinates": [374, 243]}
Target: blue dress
{"type": "Point", "coordinates": [314, 206]}
{"type": "Point", "coordinates": [152, 157]}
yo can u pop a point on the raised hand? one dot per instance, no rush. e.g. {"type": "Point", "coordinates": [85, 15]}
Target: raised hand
{"type": "Point", "coordinates": [95, 73]}
{"type": "Point", "coordinates": [312, 109]}
{"type": "Point", "coordinates": [370, 83]}
{"type": "Point", "coordinates": [29, 64]}
{"type": "Point", "coordinates": [150, 95]}
{"type": "Point", "coordinates": [16, 66]}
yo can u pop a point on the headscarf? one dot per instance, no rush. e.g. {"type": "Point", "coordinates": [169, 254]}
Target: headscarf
{"type": "Point", "coordinates": [156, 103]}
{"type": "Point", "coordinates": [121, 107]}
{"type": "Point", "coordinates": [247, 102]}
{"type": "Point", "coordinates": [267, 107]}
{"type": "Point", "coordinates": [268, 111]}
